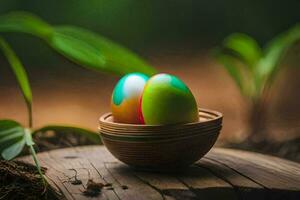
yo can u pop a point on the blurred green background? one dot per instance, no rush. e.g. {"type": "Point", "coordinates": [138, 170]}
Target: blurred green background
{"type": "Point", "coordinates": [176, 36]}
{"type": "Point", "coordinates": [144, 25]}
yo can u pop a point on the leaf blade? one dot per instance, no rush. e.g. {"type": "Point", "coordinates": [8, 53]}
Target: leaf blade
{"type": "Point", "coordinates": [11, 144]}
{"type": "Point", "coordinates": [18, 70]}
{"type": "Point", "coordinates": [235, 68]}
{"type": "Point", "coordinates": [25, 22]}
{"type": "Point", "coordinates": [13, 150]}
{"type": "Point", "coordinates": [14, 136]}
{"type": "Point", "coordinates": [9, 127]}
{"type": "Point", "coordinates": [228, 63]}
{"type": "Point", "coordinates": [275, 51]}
{"type": "Point", "coordinates": [75, 43]}
{"type": "Point", "coordinates": [245, 47]}
{"type": "Point", "coordinates": [79, 45]}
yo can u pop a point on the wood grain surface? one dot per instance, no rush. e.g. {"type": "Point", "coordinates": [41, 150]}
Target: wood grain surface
{"type": "Point", "coordinates": [221, 174]}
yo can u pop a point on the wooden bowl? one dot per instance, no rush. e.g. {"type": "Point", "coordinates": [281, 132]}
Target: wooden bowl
{"type": "Point", "coordinates": [160, 147]}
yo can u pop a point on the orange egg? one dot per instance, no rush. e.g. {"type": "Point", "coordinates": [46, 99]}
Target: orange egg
{"type": "Point", "coordinates": [126, 97]}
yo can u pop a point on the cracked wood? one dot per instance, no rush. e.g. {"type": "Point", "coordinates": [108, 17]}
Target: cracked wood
{"type": "Point", "coordinates": [221, 174]}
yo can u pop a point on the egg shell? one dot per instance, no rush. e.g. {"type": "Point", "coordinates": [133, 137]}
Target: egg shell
{"type": "Point", "coordinates": [167, 100]}
{"type": "Point", "coordinates": [126, 96]}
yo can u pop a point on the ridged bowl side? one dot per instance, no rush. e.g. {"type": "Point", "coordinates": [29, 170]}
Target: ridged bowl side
{"type": "Point", "coordinates": [161, 154]}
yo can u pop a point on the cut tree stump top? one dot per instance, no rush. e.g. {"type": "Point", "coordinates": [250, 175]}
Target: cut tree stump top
{"type": "Point", "coordinates": [221, 174]}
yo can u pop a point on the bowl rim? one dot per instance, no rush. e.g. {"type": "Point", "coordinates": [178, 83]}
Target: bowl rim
{"type": "Point", "coordinates": [216, 116]}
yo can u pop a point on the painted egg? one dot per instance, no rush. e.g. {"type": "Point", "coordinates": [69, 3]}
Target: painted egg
{"type": "Point", "coordinates": [167, 100]}
{"type": "Point", "coordinates": [126, 98]}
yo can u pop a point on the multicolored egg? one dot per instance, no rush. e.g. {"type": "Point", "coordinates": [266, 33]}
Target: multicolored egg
{"type": "Point", "coordinates": [126, 96]}
{"type": "Point", "coordinates": [167, 100]}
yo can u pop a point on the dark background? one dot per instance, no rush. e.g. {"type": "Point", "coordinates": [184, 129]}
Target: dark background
{"type": "Point", "coordinates": [150, 24]}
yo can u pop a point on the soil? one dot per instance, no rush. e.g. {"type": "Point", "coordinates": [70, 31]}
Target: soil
{"type": "Point", "coordinates": [56, 140]}
{"type": "Point", "coordinates": [19, 180]}
{"type": "Point", "coordinates": [93, 189]}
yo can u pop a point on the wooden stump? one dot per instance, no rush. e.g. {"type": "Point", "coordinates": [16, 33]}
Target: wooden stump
{"type": "Point", "coordinates": [221, 174]}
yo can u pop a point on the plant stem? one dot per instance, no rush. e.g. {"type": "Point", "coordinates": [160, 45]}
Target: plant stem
{"type": "Point", "coordinates": [30, 143]}
{"type": "Point", "coordinates": [29, 108]}
{"type": "Point", "coordinates": [37, 163]}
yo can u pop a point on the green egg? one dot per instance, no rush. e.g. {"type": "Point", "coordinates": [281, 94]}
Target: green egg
{"type": "Point", "coordinates": [167, 100]}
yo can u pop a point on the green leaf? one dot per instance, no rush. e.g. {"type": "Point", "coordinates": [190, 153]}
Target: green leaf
{"type": "Point", "coordinates": [9, 131]}
{"type": "Point", "coordinates": [230, 64]}
{"type": "Point", "coordinates": [79, 45]}
{"type": "Point", "coordinates": [245, 47]}
{"type": "Point", "coordinates": [24, 22]}
{"type": "Point", "coordinates": [13, 150]}
{"type": "Point", "coordinates": [96, 52]}
{"type": "Point", "coordinates": [18, 70]}
{"type": "Point", "coordinates": [238, 73]}
{"type": "Point", "coordinates": [12, 139]}
{"type": "Point", "coordinates": [275, 51]}
{"type": "Point", "coordinates": [9, 128]}
{"type": "Point", "coordinates": [91, 135]}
